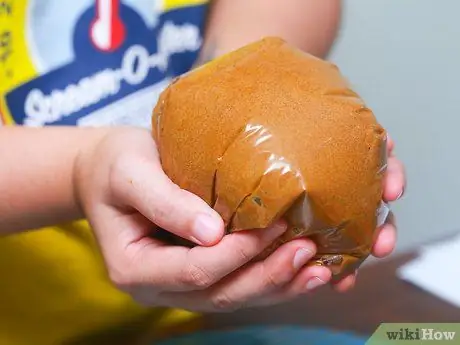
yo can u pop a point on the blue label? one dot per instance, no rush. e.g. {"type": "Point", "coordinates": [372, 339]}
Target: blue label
{"type": "Point", "coordinates": [97, 78]}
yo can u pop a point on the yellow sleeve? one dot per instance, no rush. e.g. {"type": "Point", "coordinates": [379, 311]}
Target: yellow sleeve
{"type": "Point", "coordinates": [55, 288]}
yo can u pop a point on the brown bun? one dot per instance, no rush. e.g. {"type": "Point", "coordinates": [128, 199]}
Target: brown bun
{"type": "Point", "coordinates": [267, 132]}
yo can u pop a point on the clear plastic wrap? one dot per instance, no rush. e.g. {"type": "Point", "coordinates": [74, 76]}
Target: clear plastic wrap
{"type": "Point", "coordinates": [268, 132]}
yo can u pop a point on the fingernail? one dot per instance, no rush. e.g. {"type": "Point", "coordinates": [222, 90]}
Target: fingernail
{"type": "Point", "coordinates": [205, 229]}
{"type": "Point", "coordinates": [314, 282]}
{"type": "Point", "coordinates": [400, 194]}
{"type": "Point", "coordinates": [301, 257]}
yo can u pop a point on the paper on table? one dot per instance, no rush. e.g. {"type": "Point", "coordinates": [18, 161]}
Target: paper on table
{"type": "Point", "coordinates": [436, 270]}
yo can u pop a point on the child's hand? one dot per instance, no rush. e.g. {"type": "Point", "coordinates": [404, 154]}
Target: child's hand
{"type": "Point", "coordinates": [124, 192]}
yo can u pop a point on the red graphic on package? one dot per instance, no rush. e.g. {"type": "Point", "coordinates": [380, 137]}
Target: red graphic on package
{"type": "Point", "coordinates": [107, 31]}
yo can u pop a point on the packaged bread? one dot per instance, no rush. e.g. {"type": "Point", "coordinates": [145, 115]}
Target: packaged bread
{"type": "Point", "coordinates": [269, 132]}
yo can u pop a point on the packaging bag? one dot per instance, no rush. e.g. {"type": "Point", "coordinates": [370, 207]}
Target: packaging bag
{"type": "Point", "coordinates": [269, 132]}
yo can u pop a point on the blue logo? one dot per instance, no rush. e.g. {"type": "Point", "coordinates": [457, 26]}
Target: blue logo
{"type": "Point", "coordinates": [116, 55]}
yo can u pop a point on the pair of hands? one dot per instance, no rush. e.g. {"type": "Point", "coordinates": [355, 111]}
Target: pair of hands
{"type": "Point", "coordinates": [125, 195]}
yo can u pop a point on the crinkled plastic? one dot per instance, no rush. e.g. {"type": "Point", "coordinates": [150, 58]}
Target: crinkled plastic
{"type": "Point", "coordinates": [269, 132]}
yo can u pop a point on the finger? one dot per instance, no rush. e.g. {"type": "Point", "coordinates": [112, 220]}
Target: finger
{"type": "Point", "coordinates": [255, 281]}
{"type": "Point", "coordinates": [173, 268]}
{"type": "Point", "coordinates": [395, 180]}
{"type": "Point", "coordinates": [346, 284]}
{"type": "Point", "coordinates": [308, 280]}
{"type": "Point", "coordinates": [390, 145]}
{"type": "Point", "coordinates": [142, 184]}
{"type": "Point", "coordinates": [264, 278]}
{"type": "Point", "coordinates": [386, 239]}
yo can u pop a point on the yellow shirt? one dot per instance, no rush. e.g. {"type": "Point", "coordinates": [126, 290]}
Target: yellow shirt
{"type": "Point", "coordinates": [83, 63]}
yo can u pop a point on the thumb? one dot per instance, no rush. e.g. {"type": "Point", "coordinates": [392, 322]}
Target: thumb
{"type": "Point", "coordinates": [176, 210]}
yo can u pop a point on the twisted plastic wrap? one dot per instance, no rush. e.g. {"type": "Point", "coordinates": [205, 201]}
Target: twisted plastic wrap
{"type": "Point", "coordinates": [267, 132]}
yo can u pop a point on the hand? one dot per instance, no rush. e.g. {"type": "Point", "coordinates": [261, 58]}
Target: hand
{"type": "Point", "coordinates": [124, 193]}
{"type": "Point", "coordinates": [394, 186]}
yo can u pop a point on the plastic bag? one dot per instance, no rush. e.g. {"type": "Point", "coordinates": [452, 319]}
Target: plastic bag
{"type": "Point", "coordinates": [267, 132]}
